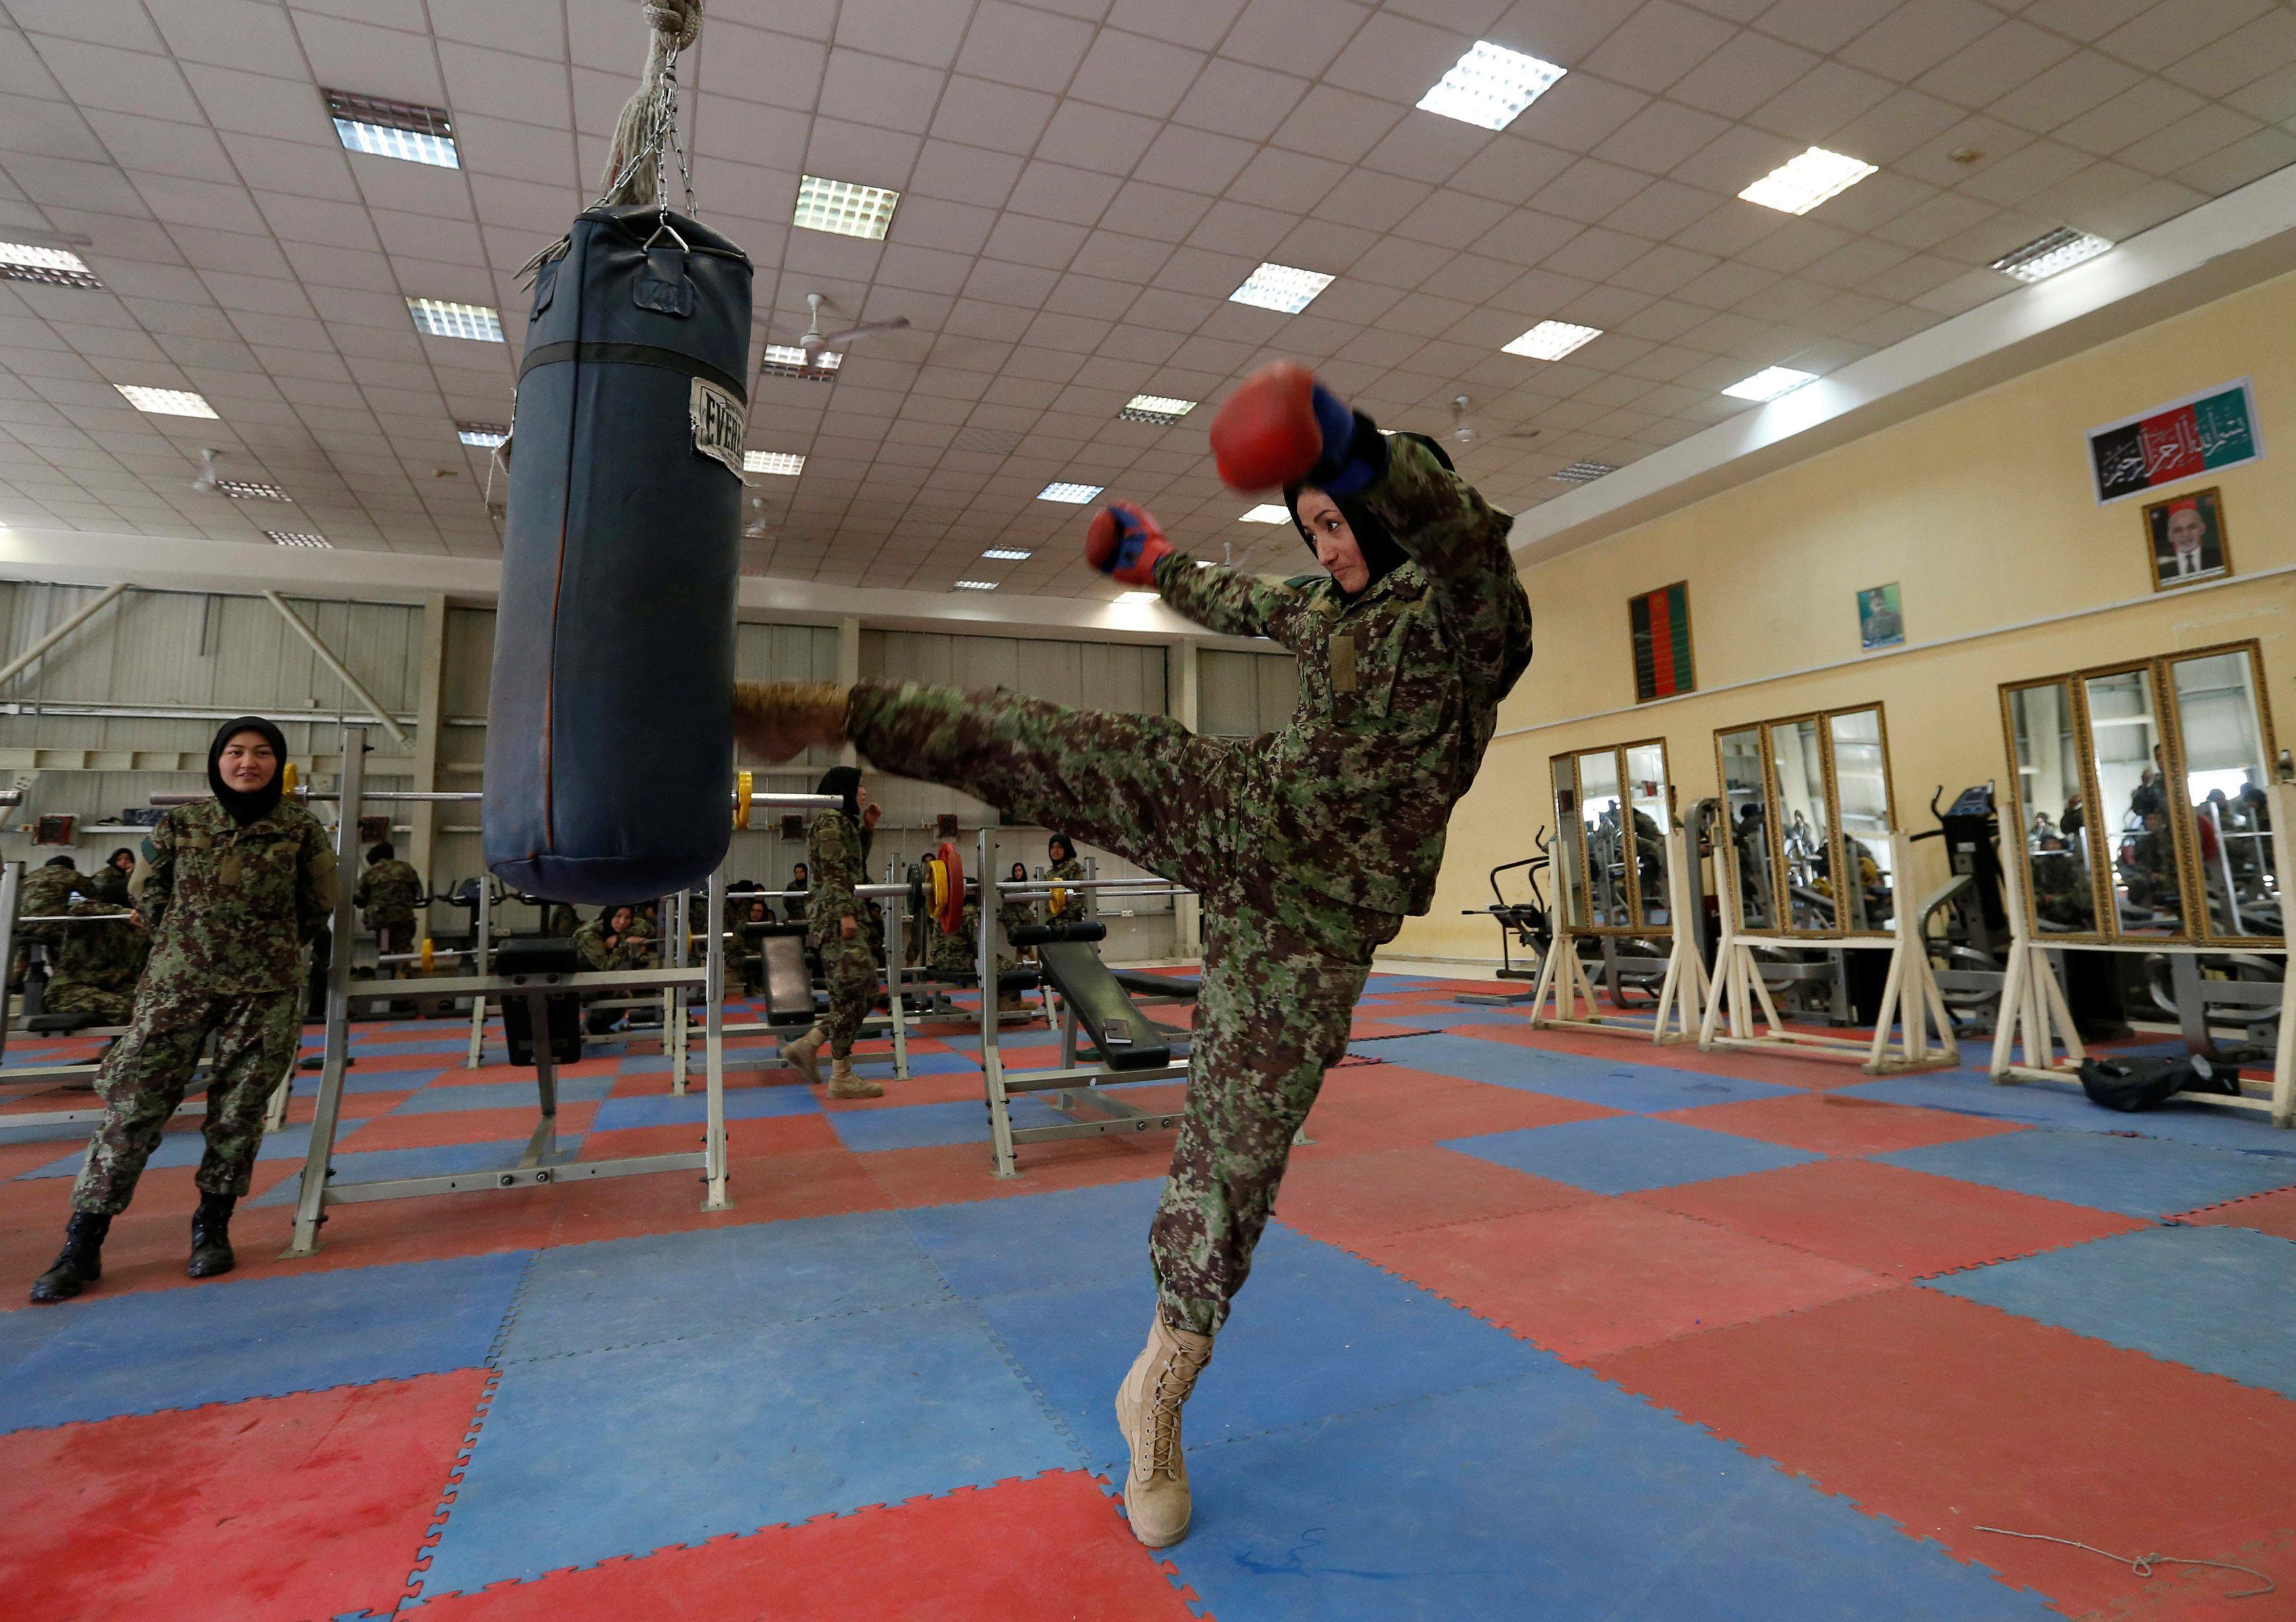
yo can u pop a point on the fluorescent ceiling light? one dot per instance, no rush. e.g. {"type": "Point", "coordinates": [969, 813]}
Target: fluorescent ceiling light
{"type": "Point", "coordinates": [1139, 596]}
{"type": "Point", "coordinates": [1059, 491]}
{"type": "Point", "coordinates": [165, 402]}
{"type": "Point", "coordinates": [844, 209]}
{"type": "Point", "coordinates": [444, 318]}
{"type": "Point", "coordinates": [1551, 340]}
{"type": "Point", "coordinates": [1800, 185]}
{"type": "Point", "coordinates": [1770, 382]}
{"type": "Point", "coordinates": [288, 538]}
{"type": "Point", "coordinates": [59, 266]}
{"type": "Point", "coordinates": [1580, 473]}
{"type": "Point", "coordinates": [1280, 287]}
{"type": "Point", "coordinates": [976, 585]}
{"type": "Point", "coordinates": [786, 463]}
{"type": "Point", "coordinates": [248, 489]}
{"type": "Point", "coordinates": [788, 360]}
{"type": "Point", "coordinates": [394, 129]}
{"type": "Point", "coordinates": [1267, 511]}
{"type": "Point", "coordinates": [1489, 85]}
{"type": "Point", "coordinates": [1007, 554]}
{"type": "Point", "coordinates": [1159, 408]}
{"type": "Point", "coordinates": [2042, 256]}
{"type": "Point", "coordinates": [485, 435]}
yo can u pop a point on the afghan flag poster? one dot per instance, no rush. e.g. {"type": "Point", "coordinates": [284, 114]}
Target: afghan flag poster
{"type": "Point", "coordinates": [2198, 434]}
{"type": "Point", "coordinates": [1660, 623]}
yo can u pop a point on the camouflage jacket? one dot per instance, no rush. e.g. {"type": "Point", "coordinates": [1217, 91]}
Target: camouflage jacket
{"type": "Point", "coordinates": [959, 951]}
{"type": "Point", "coordinates": [108, 956]}
{"type": "Point", "coordinates": [1398, 690]}
{"type": "Point", "coordinates": [628, 952]}
{"type": "Point", "coordinates": [231, 908]}
{"type": "Point", "coordinates": [107, 884]}
{"type": "Point", "coordinates": [388, 891]}
{"type": "Point", "coordinates": [835, 860]}
{"type": "Point", "coordinates": [46, 893]}
{"type": "Point", "coordinates": [1067, 903]}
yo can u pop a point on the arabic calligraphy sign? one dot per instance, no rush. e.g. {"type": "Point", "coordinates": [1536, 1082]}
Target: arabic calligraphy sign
{"type": "Point", "coordinates": [2200, 433]}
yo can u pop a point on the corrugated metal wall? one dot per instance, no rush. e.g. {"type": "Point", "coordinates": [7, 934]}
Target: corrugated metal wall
{"type": "Point", "coordinates": [1244, 694]}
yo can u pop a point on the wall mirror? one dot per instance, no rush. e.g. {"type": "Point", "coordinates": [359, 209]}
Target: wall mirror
{"type": "Point", "coordinates": [1612, 816]}
{"type": "Point", "coordinates": [1811, 811]}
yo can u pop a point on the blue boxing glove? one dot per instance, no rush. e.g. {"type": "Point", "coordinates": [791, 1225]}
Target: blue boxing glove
{"type": "Point", "coordinates": [1354, 451]}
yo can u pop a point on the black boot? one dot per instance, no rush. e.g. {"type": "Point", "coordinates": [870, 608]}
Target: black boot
{"type": "Point", "coordinates": [81, 1264]}
{"type": "Point", "coordinates": [211, 1237]}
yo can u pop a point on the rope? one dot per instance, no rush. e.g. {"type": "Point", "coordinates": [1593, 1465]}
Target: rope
{"type": "Point", "coordinates": [648, 126]}
{"type": "Point", "coordinates": [2143, 1564]}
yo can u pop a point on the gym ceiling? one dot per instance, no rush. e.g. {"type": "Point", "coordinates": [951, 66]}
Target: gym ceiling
{"type": "Point", "coordinates": [1083, 185]}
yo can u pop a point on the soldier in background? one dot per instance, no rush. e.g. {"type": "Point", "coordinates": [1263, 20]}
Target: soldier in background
{"type": "Point", "coordinates": [836, 849]}
{"type": "Point", "coordinates": [109, 883]}
{"type": "Point", "coordinates": [235, 887]}
{"type": "Point", "coordinates": [388, 894]}
{"type": "Point", "coordinates": [607, 943]}
{"type": "Point", "coordinates": [46, 893]}
{"type": "Point", "coordinates": [1308, 845]}
{"type": "Point", "coordinates": [98, 963]}
{"type": "Point", "coordinates": [1061, 862]}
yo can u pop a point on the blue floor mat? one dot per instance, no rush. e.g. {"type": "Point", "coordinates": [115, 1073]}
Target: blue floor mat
{"type": "Point", "coordinates": [1316, 1333]}
{"type": "Point", "coordinates": [226, 1341]}
{"type": "Point", "coordinates": [993, 1246]}
{"type": "Point", "coordinates": [734, 1432]}
{"type": "Point", "coordinates": [185, 1146]}
{"type": "Point", "coordinates": [11, 1136]}
{"type": "Point", "coordinates": [358, 1080]}
{"type": "Point", "coordinates": [379, 1165]}
{"type": "Point", "coordinates": [742, 1103]}
{"type": "Point", "coordinates": [519, 1094]}
{"type": "Point", "coordinates": [1618, 1084]}
{"type": "Point", "coordinates": [2051, 1104]}
{"type": "Point", "coordinates": [2136, 1176]}
{"type": "Point", "coordinates": [671, 1286]}
{"type": "Point", "coordinates": [1548, 1495]}
{"type": "Point", "coordinates": [2219, 1299]}
{"type": "Point", "coordinates": [1622, 1154]}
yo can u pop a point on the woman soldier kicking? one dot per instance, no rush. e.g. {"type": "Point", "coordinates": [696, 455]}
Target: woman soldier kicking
{"type": "Point", "coordinates": [1308, 846]}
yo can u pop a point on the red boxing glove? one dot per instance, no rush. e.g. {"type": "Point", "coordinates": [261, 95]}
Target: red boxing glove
{"type": "Point", "coordinates": [1125, 542]}
{"type": "Point", "coordinates": [1267, 434]}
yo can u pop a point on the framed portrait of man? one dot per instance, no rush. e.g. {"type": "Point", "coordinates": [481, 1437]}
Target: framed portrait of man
{"type": "Point", "coordinates": [2188, 540]}
{"type": "Point", "coordinates": [1881, 617]}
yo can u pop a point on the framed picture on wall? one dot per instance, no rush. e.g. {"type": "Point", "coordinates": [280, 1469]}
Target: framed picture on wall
{"type": "Point", "coordinates": [2188, 540]}
{"type": "Point", "coordinates": [1881, 617]}
{"type": "Point", "coordinates": [1659, 622]}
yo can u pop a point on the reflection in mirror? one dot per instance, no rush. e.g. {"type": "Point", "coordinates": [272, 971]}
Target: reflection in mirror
{"type": "Point", "coordinates": [1599, 797]}
{"type": "Point", "coordinates": [1750, 840]}
{"type": "Point", "coordinates": [2049, 787]}
{"type": "Point", "coordinates": [1646, 799]}
{"type": "Point", "coordinates": [1795, 748]}
{"type": "Point", "coordinates": [1569, 863]}
{"type": "Point", "coordinates": [2223, 745]}
{"type": "Point", "coordinates": [2133, 803]}
{"type": "Point", "coordinates": [1861, 788]}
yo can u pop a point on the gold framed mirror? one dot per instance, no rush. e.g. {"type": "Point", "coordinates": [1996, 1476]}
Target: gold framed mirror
{"type": "Point", "coordinates": [1614, 810]}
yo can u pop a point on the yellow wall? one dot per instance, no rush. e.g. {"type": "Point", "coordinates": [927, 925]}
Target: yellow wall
{"type": "Point", "coordinates": [1982, 510]}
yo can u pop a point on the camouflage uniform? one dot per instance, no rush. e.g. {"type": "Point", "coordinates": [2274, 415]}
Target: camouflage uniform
{"type": "Point", "coordinates": [1306, 847]}
{"type": "Point", "coordinates": [628, 952]}
{"type": "Point", "coordinates": [107, 884]}
{"type": "Point", "coordinates": [836, 859]}
{"type": "Point", "coordinates": [97, 966]}
{"type": "Point", "coordinates": [46, 892]}
{"type": "Point", "coordinates": [561, 920]}
{"type": "Point", "coordinates": [387, 894]}
{"type": "Point", "coordinates": [1069, 903]}
{"type": "Point", "coordinates": [958, 951]}
{"type": "Point", "coordinates": [230, 908]}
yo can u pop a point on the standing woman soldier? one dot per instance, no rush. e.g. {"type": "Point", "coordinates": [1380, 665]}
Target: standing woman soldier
{"type": "Point", "coordinates": [233, 887]}
{"type": "Point", "coordinates": [1308, 846]}
{"type": "Point", "coordinates": [837, 856]}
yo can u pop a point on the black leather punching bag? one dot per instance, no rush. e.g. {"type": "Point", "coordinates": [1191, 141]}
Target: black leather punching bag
{"type": "Point", "coordinates": [608, 748]}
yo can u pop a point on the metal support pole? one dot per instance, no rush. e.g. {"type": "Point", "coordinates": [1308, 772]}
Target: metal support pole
{"type": "Point", "coordinates": [12, 886]}
{"type": "Point", "coordinates": [310, 1202]}
{"type": "Point", "coordinates": [673, 1029]}
{"type": "Point", "coordinates": [342, 671]}
{"type": "Point", "coordinates": [895, 910]}
{"type": "Point", "coordinates": [713, 1049]}
{"type": "Point", "coordinates": [482, 964]}
{"type": "Point", "coordinates": [10, 670]}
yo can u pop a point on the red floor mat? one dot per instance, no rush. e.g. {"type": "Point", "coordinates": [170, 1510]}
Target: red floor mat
{"type": "Point", "coordinates": [1839, 1123]}
{"type": "Point", "coordinates": [292, 1507]}
{"type": "Point", "coordinates": [1430, 1115]}
{"type": "Point", "coordinates": [1350, 1200]}
{"type": "Point", "coordinates": [949, 1174]}
{"type": "Point", "coordinates": [2274, 1213]}
{"type": "Point", "coordinates": [1905, 1224]}
{"type": "Point", "coordinates": [1585, 1279]}
{"type": "Point", "coordinates": [1785, 1071]}
{"type": "Point", "coordinates": [433, 1127]}
{"type": "Point", "coordinates": [1945, 1415]}
{"type": "Point", "coordinates": [1028, 1550]}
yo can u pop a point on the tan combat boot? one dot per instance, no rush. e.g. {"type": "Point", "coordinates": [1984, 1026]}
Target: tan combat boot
{"type": "Point", "coordinates": [805, 1054]}
{"type": "Point", "coordinates": [844, 1084]}
{"type": "Point", "coordinates": [1148, 1410]}
{"type": "Point", "coordinates": [780, 720]}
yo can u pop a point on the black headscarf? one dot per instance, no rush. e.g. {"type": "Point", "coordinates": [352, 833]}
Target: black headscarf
{"type": "Point", "coordinates": [1068, 850]}
{"type": "Point", "coordinates": [246, 808]}
{"type": "Point", "coordinates": [382, 852]}
{"type": "Point", "coordinates": [1382, 554]}
{"type": "Point", "coordinates": [842, 781]}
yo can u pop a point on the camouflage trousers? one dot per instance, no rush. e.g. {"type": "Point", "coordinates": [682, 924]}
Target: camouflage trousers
{"type": "Point", "coordinates": [850, 974]}
{"type": "Point", "coordinates": [1282, 965]}
{"type": "Point", "coordinates": [69, 996]}
{"type": "Point", "coordinates": [147, 1071]}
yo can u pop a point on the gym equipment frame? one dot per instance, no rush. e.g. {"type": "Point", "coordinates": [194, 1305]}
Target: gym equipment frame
{"type": "Point", "coordinates": [2192, 873]}
{"type": "Point", "coordinates": [1753, 855]}
{"type": "Point", "coordinates": [11, 884]}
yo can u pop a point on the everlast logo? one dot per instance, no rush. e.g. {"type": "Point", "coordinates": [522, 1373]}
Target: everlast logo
{"type": "Point", "coordinates": [718, 427]}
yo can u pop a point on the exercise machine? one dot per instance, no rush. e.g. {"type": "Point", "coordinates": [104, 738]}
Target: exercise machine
{"type": "Point", "coordinates": [1523, 924]}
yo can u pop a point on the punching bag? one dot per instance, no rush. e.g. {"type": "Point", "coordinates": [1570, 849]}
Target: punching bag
{"type": "Point", "coordinates": [610, 751]}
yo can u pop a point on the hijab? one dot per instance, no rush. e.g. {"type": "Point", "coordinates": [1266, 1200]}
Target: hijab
{"type": "Point", "coordinates": [842, 781]}
{"type": "Point", "coordinates": [1382, 554]}
{"type": "Point", "coordinates": [246, 808]}
{"type": "Point", "coordinates": [1068, 850]}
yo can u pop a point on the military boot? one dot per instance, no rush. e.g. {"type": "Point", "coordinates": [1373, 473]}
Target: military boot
{"type": "Point", "coordinates": [805, 1053]}
{"type": "Point", "coordinates": [211, 1237]}
{"type": "Point", "coordinates": [81, 1263]}
{"type": "Point", "coordinates": [779, 719]}
{"type": "Point", "coordinates": [844, 1084]}
{"type": "Point", "coordinates": [1148, 1410]}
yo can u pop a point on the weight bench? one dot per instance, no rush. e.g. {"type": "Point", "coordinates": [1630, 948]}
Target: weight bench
{"type": "Point", "coordinates": [788, 981]}
{"type": "Point", "coordinates": [1097, 997]}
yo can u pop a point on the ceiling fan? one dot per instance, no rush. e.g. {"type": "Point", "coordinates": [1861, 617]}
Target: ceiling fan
{"type": "Point", "coordinates": [824, 351]}
{"type": "Point", "coordinates": [1464, 431]}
